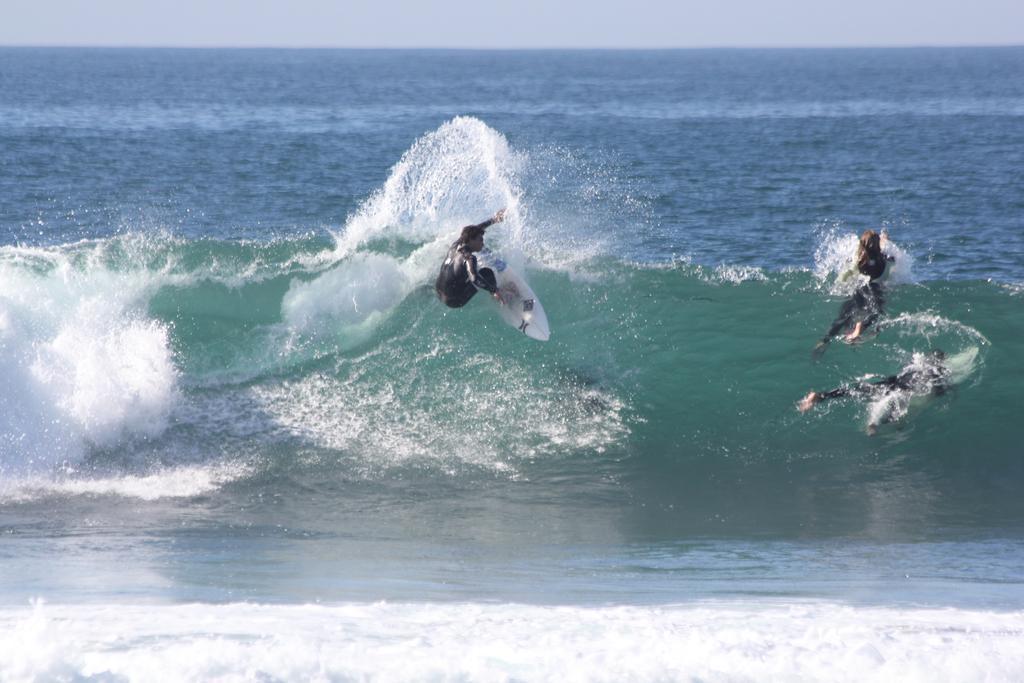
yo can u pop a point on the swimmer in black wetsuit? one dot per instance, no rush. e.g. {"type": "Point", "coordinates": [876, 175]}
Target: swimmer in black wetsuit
{"type": "Point", "coordinates": [931, 378]}
{"type": "Point", "coordinates": [459, 278]}
{"type": "Point", "coordinates": [867, 303]}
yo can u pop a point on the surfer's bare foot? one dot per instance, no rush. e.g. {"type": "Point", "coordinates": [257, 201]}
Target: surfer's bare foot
{"type": "Point", "coordinates": [807, 402]}
{"type": "Point", "coordinates": [857, 329]}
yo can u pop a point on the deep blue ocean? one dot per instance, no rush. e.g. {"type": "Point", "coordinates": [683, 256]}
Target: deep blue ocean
{"type": "Point", "coordinates": [241, 439]}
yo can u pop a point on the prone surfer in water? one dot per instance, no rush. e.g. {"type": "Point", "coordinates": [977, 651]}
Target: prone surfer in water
{"type": "Point", "coordinates": [927, 377]}
{"type": "Point", "coordinates": [867, 303]}
{"type": "Point", "coordinates": [459, 278]}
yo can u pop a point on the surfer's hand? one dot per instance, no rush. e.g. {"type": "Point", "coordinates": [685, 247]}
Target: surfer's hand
{"type": "Point", "coordinates": [807, 402]}
{"type": "Point", "coordinates": [500, 216]}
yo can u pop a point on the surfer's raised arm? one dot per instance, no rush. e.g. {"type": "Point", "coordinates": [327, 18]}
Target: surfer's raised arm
{"type": "Point", "coordinates": [884, 243]}
{"type": "Point", "coordinates": [498, 217]}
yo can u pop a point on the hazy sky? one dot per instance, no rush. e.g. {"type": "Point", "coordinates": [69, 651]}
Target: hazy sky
{"type": "Point", "coordinates": [524, 23]}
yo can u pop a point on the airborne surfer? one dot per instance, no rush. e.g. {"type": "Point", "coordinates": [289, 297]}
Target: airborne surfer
{"type": "Point", "coordinates": [460, 278]}
{"type": "Point", "coordinates": [927, 377]}
{"type": "Point", "coordinates": [866, 305]}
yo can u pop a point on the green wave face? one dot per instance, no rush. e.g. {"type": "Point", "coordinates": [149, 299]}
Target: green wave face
{"type": "Point", "coordinates": [355, 355]}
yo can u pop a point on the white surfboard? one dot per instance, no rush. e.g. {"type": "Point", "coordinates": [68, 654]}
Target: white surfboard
{"type": "Point", "coordinates": [962, 364]}
{"type": "Point", "coordinates": [519, 306]}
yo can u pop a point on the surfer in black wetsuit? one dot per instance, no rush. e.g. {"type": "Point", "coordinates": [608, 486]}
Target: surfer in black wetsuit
{"type": "Point", "coordinates": [867, 304]}
{"type": "Point", "coordinates": [459, 278]}
{"type": "Point", "coordinates": [930, 377]}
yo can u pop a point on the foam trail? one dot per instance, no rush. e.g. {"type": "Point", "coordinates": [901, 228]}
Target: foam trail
{"type": "Point", "coordinates": [357, 291]}
{"type": "Point", "coordinates": [928, 324]}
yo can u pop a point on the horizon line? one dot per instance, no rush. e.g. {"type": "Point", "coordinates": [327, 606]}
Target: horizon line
{"type": "Point", "coordinates": [381, 48]}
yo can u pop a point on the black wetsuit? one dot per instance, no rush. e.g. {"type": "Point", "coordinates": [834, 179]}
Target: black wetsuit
{"type": "Point", "coordinates": [865, 306]}
{"type": "Point", "coordinates": [875, 267]}
{"type": "Point", "coordinates": [459, 279]}
{"type": "Point", "coordinates": [931, 379]}
{"type": "Point", "coordinates": [867, 303]}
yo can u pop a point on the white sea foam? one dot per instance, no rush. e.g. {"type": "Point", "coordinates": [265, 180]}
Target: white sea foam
{"type": "Point", "coordinates": [456, 175]}
{"type": "Point", "coordinates": [173, 482]}
{"type": "Point", "coordinates": [737, 274]}
{"type": "Point", "coordinates": [83, 366]}
{"type": "Point", "coordinates": [113, 376]}
{"type": "Point", "coordinates": [505, 416]}
{"type": "Point", "coordinates": [360, 288]}
{"type": "Point", "coordinates": [1013, 288]}
{"type": "Point", "coordinates": [34, 435]}
{"type": "Point", "coordinates": [462, 172]}
{"type": "Point", "coordinates": [928, 325]}
{"type": "Point", "coordinates": [889, 407]}
{"type": "Point", "coordinates": [503, 642]}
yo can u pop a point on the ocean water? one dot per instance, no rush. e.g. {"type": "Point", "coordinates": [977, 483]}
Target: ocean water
{"type": "Point", "coordinates": [240, 439]}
